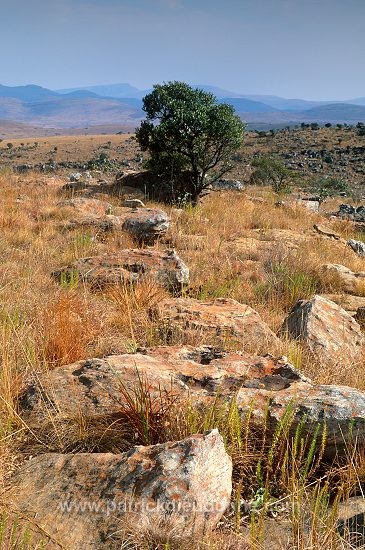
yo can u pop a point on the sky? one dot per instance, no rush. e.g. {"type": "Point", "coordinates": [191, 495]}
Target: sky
{"type": "Point", "coordinates": [312, 49]}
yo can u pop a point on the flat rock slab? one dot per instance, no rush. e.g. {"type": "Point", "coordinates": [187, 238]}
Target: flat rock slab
{"type": "Point", "coordinates": [84, 500]}
{"type": "Point", "coordinates": [128, 266]}
{"type": "Point", "coordinates": [331, 333]}
{"type": "Point", "coordinates": [261, 385]}
{"type": "Point", "coordinates": [222, 318]}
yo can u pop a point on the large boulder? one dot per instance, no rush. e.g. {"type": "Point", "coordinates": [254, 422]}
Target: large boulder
{"type": "Point", "coordinates": [263, 387]}
{"type": "Point", "coordinates": [84, 500]}
{"type": "Point", "coordinates": [350, 281]}
{"type": "Point", "coordinates": [128, 266]}
{"type": "Point", "coordinates": [331, 333]}
{"type": "Point", "coordinates": [221, 320]}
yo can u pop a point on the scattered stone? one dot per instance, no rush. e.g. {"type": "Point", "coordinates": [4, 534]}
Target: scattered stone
{"type": "Point", "coordinates": [353, 213]}
{"type": "Point", "coordinates": [200, 375]}
{"type": "Point", "coordinates": [357, 246]}
{"type": "Point", "coordinates": [128, 266]}
{"type": "Point", "coordinates": [331, 333]}
{"type": "Point", "coordinates": [133, 203]}
{"type": "Point", "coordinates": [350, 281]}
{"type": "Point", "coordinates": [83, 500]}
{"type": "Point", "coordinates": [146, 225]}
{"type": "Point", "coordinates": [76, 176]}
{"type": "Point", "coordinates": [234, 324]}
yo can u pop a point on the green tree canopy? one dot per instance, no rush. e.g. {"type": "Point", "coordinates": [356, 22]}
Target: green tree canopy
{"type": "Point", "coordinates": [190, 138]}
{"type": "Point", "coordinates": [268, 170]}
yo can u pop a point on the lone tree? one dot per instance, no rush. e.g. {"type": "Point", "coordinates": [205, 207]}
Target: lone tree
{"type": "Point", "coordinates": [190, 139]}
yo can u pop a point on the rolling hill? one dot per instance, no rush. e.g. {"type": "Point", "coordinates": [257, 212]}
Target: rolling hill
{"type": "Point", "coordinates": [121, 104]}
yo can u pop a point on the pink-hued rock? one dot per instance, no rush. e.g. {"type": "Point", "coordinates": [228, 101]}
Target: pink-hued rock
{"type": "Point", "coordinates": [83, 500]}
{"type": "Point", "coordinates": [129, 266]}
{"type": "Point", "coordinates": [262, 385]}
{"type": "Point", "coordinates": [331, 333]}
{"type": "Point", "coordinates": [224, 318]}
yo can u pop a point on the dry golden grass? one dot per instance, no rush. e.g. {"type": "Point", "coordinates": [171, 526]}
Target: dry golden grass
{"type": "Point", "coordinates": [44, 325]}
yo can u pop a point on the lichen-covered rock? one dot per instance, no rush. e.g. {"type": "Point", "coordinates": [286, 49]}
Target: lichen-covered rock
{"type": "Point", "coordinates": [357, 246]}
{"type": "Point", "coordinates": [128, 266]}
{"type": "Point", "coordinates": [221, 319]}
{"type": "Point", "coordinates": [263, 386]}
{"type": "Point", "coordinates": [146, 224]}
{"type": "Point", "coordinates": [331, 333]}
{"type": "Point", "coordinates": [83, 500]}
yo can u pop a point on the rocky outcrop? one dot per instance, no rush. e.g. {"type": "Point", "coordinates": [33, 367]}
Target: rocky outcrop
{"type": "Point", "coordinates": [84, 500]}
{"type": "Point", "coordinates": [221, 320]}
{"type": "Point", "coordinates": [263, 386]}
{"type": "Point", "coordinates": [331, 333]}
{"type": "Point", "coordinates": [146, 225]}
{"type": "Point", "coordinates": [353, 213]}
{"type": "Point", "coordinates": [350, 281]}
{"type": "Point", "coordinates": [128, 266]}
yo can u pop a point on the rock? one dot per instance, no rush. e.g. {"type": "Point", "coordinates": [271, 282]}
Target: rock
{"type": "Point", "coordinates": [202, 375]}
{"type": "Point", "coordinates": [357, 246]}
{"type": "Point", "coordinates": [228, 185]}
{"type": "Point", "coordinates": [326, 232]}
{"type": "Point", "coordinates": [351, 521]}
{"type": "Point", "coordinates": [82, 500]}
{"type": "Point", "coordinates": [348, 302]}
{"type": "Point", "coordinates": [350, 281]}
{"type": "Point", "coordinates": [360, 316]}
{"type": "Point", "coordinates": [312, 206]}
{"type": "Point", "coordinates": [351, 212]}
{"type": "Point", "coordinates": [129, 266]}
{"type": "Point", "coordinates": [331, 333]}
{"type": "Point", "coordinates": [224, 319]}
{"type": "Point", "coordinates": [76, 176]}
{"type": "Point", "coordinates": [133, 203]}
{"type": "Point", "coordinates": [147, 224]}
{"type": "Point", "coordinates": [87, 206]}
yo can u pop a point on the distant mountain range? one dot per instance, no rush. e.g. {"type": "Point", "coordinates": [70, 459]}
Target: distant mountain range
{"type": "Point", "coordinates": [121, 105]}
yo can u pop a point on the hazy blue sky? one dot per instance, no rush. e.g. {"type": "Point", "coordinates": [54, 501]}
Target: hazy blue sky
{"type": "Point", "coordinates": [313, 49]}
